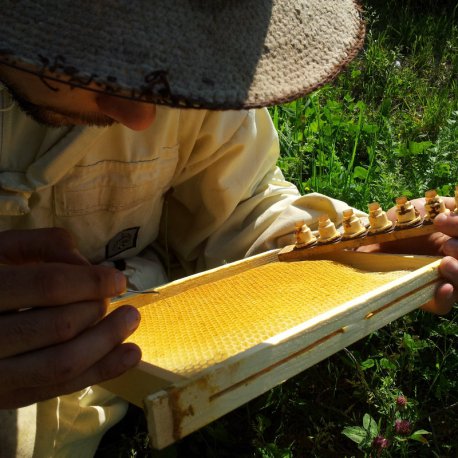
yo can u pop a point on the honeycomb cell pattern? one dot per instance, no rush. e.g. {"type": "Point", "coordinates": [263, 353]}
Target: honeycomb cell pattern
{"type": "Point", "coordinates": [207, 324]}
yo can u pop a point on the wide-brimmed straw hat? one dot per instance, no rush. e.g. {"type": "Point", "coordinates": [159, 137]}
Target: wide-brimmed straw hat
{"type": "Point", "coordinates": [220, 54]}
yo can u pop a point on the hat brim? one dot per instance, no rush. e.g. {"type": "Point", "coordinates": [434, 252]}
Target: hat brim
{"type": "Point", "coordinates": [214, 54]}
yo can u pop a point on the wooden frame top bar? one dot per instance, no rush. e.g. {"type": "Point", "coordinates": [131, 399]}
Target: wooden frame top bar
{"type": "Point", "coordinates": [293, 253]}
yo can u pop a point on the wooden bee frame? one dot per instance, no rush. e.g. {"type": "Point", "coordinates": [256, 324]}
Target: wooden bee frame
{"type": "Point", "coordinates": [176, 405]}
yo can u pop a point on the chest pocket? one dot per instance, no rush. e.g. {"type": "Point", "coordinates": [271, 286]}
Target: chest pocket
{"type": "Point", "coordinates": [114, 186]}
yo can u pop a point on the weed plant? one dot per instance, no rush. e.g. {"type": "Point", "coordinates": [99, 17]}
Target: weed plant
{"type": "Point", "coordinates": [387, 127]}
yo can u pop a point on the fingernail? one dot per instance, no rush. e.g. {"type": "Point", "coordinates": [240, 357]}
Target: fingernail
{"type": "Point", "coordinates": [132, 319]}
{"type": "Point", "coordinates": [130, 358]}
{"type": "Point", "coordinates": [449, 268]}
{"type": "Point", "coordinates": [120, 282]}
{"type": "Point", "coordinates": [450, 296]}
{"type": "Point", "coordinates": [440, 219]}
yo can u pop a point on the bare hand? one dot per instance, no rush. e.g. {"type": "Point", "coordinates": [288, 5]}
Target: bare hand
{"type": "Point", "coordinates": [444, 242]}
{"type": "Point", "coordinates": [54, 336]}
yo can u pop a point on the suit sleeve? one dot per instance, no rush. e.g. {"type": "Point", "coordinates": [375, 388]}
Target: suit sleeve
{"type": "Point", "coordinates": [230, 199]}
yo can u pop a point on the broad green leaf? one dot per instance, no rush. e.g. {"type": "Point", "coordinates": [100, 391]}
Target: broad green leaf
{"type": "Point", "coordinates": [370, 425]}
{"type": "Point", "coordinates": [355, 433]}
{"type": "Point", "coordinates": [360, 172]}
{"type": "Point", "coordinates": [408, 341]}
{"type": "Point", "coordinates": [419, 147]}
{"type": "Point", "coordinates": [313, 127]}
{"type": "Point", "coordinates": [418, 436]}
{"type": "Point", "coordinates": [367, 364]}
{"type": "Point", "coordinates": [387, 364]}
{"type": "Point", "coordinates": [413, 344]}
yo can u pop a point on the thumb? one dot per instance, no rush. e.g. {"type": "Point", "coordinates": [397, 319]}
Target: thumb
{"type": "Point", "coordinates": [39, 245]}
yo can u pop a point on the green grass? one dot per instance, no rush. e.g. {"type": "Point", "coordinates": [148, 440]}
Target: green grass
{"type": "Point", "coordinates": [388, 126]}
